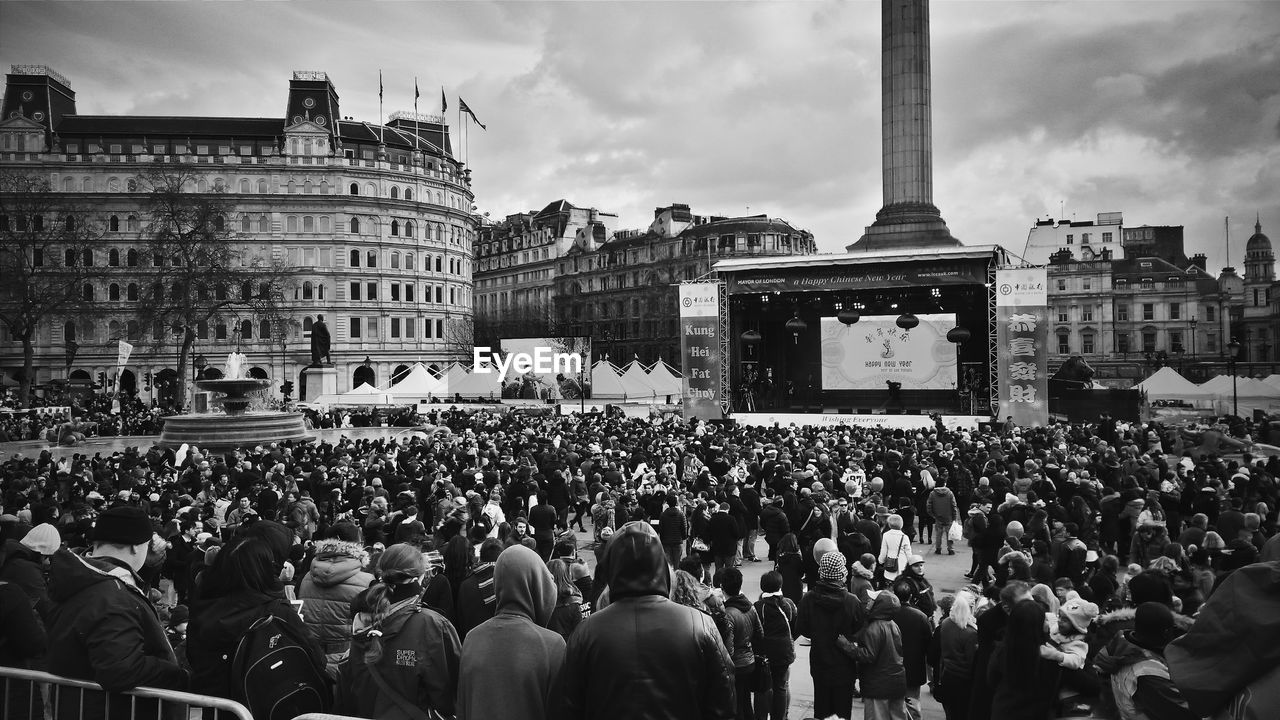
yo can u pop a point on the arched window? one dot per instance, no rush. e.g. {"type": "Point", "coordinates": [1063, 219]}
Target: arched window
{"type": "Point", "coordinates": [244, 186]}
{"type": "Point", "coordinates": [395, 193]}
{"type": "Point", "coordinates": [87, 292]}
{"type": "Point", "coordinates": [292, 187]}
{"type": "Point", "coordinates": [306, 186]}
{"type": "Point", "coordinates": [220, 331]}
{"type": "Point", "coordinates": [133, 223]}
{"type": "Point", "coordinates": [131, 185]}
{"type": "Point", "coordinates": [395, 261]}
{"type": "Point", "coordinates": [324, 187]}
{"type": "Point", "coordinates": [114, 223]}
{"type": "Point", "coordinates": [132, 258]}
{"type": "Point", "coordinates": [324, 224]}
{"type": "Point", "coordinates": [202, 186]}
{"type": "Point", "coordinates": [408, 261]}
{"type": "Point", "coordinates": [370, 189]}
{"type": "Point", "coordinates": [113, 329]}
{"type": "Point", "coordinates": [262, 187]}
{"type": "Point", "coordinates": [87, 186]}
{"type": "Point", "coordinates": [246, 329]}
{"type": "Point", "coordinates": [69, 223]}
{"type": "Point", "coordinates": [408, 194]}
{"type": "Point", "coordinates": [113, 257]}
{"type": "Point", "coordinates": [291, 224]}
{"type": "Point", "coordinates": [264, 329]}
{"type": "Point", "coordinates": [68, 184]}
{"type": "Point", "coordinates": [69, 331]}
{"type": "Point", "coordinates": [371, 259]}
{"type": "Point", "coordinates": [69, 257]}
{"type": "Point", "coordinates": [395, 227]}
{"type": "Point", "coordinates": [86, 256]}
{"type": "Point", "coordinates": [113, 292]}
{"type": "Point", "coordinates": [355, 226]}
{"type": "Point", "coordinates": [306, 326]}
{"type": "Point", "coordinates": [219, 223]}
{"type": "Point", "coordinates": [308, 224]}
{"type": "Point", "coordinates": [355, 258]}
{"type": "Point", "coordinates": [245, 225]}
{"type": "Point", "coordinates": [264, 225]}
{"type": "Point", "coordinates": [408, 229]}
{"type": "Point", "coordinates": [355, 188]}
{"type": "Point", "coordinates": [308, 290]}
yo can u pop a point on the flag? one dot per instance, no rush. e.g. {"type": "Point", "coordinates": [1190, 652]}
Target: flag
{"type": "Point", "coordinates": [72, 347]}
{"type": "Point", "coordinates": [416, 95]}
{"type": "Point", "coordinates": [444, 104]}
{"type": "Point", "coordinates": [379, 86]}
{"type": "Point", "coordinates": [463, 104]}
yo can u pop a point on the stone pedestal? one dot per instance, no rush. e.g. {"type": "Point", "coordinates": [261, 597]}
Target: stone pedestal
{"type": "Point", "coordinates": [320, 381]}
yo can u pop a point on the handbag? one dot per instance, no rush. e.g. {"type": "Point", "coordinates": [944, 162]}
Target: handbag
{"type": "Point", "coordinates": [891, 564]}
{"type": "Point", "coordinates": [762, 680]}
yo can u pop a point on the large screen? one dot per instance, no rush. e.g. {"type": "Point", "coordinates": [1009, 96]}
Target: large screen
{"type": "Point", "coordinates": [874, 351]}
{"type": "Point", "coordinates": [554, 368]}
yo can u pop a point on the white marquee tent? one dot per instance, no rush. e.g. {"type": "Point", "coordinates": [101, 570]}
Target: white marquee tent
{"type": "Point", "coordinates": [605, 383]}
{"type": "Point", "coordinates": [417, 385]}
{"type": "Point", "coordinates": [1167, 384]}
{"type": "Point", "coordinates": [665, 380]}
{"type": "Point", "coordinates": [365, 394]}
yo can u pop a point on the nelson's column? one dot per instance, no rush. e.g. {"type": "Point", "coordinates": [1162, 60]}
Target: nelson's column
{"type": "Point", "coordinates": [909, 218]}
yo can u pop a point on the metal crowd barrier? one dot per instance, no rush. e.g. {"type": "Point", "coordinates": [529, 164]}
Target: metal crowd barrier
{"type": "Point", "coordinates": [37, 695]}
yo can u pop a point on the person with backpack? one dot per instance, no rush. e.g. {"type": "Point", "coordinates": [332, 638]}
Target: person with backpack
{"type": "Point", "coordinates": [778, 618]}
{"type": "Point", "coordinates": [405, 656]}
{"type": "Point", "coordinates": [239, 615]}
{"type": "Point", "coordinates": [336, 576]}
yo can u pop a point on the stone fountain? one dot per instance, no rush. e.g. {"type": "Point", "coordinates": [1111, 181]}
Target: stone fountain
{"type": "Point", "coordinates": [236, 425]}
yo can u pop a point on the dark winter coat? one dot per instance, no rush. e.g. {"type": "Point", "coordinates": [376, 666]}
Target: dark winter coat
{"type": "Point", "coordinates": [826, 612]}
{"type": "Point", "coordinates": [335, 579]}
{"type": "Point", "coordinates": [747, 630]}
{"type": "Point", "coordinates": [673, 528]}
{"type": "Point", "coordinates": [778, 618]}
{"type": "Point", "coordinates": [102, 628]}
{"type": "Point", "coordinates": [725, 534]}
{"type": "Point", "coordinates": [774, 523]}
{"type": "Point", "coordinates": [916, 632]}
{"type": "Point", "coordinates": [879, 651]}
{"type": "Point", "coordinates": [476, 599]}
{"type": "Point", "coordinates": [24, 567]}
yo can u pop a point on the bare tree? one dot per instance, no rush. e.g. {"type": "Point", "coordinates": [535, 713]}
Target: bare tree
{"type": "Point", "coordinates": [46, 266]}
{"type": "Point", "coordinates": [459, 337]}
{"type": "Point", "coordinates": [525, 320]}
{"type": "Point", "coordinates": [201, 273]}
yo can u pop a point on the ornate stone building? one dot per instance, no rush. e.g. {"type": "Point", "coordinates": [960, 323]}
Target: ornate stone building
{"type": "Point", "coordinates": [376, 223]}
{"type": "Point", "coordinates": [622, 292]}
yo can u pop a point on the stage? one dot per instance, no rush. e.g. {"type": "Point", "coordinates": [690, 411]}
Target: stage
{"type": "Point", "coordinates": [894, 422]}
{"type": "Point", "coordinates": [862, 338]}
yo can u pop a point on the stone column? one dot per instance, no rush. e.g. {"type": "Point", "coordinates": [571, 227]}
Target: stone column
{"type": "Point", "coordinates": [905, 111]}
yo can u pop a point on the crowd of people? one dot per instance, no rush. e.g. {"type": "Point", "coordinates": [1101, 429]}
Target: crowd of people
{"type": "Point", "coordinates": [59, 416]}
{"type": "Point", "coordinates": [1114, 573]}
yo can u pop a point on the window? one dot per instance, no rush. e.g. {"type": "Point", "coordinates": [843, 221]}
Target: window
{"type": "Point", "coordinates": [1064, 315]}
{"type": "Point", "coordinates": [245, 225]}
{"type": "Point", "coordinates": [307, 323]}
{"type": "Point", "coordinates": [1086, 343]}
{"type": "Point", "coordinates": [355, 326]}
{"type": "Point", "coordinates": [1208, 313]}
{"type": "Point", "coordinates": [1175, 311]}
{"type": "Point", "coordinates": [1211, 340]}
{"type": "Point", "coordinates": [355, 257]}
{"type": "Point", "coordinates": [113, 257]}
{"type": "Point", "coordinates": [1175, 341]}
{"type": "Point", "coordinates": [355, 226]}
{"type": "Point", "coordinates": [439, 293]}
{"type": "Point", "coordinates": [1086, 313]}
{"type": "Point", "coordinates": [220, 331]}
{"type": "Point", "coordinates": [1148, 311]}
{"type": "Point", "coordinates": [395, 291]}
{"type": "Point", "coordinates": [440, 329]}
{"type": "Point", "coordinates": [262, 186]}
{"type": "Point", "coordinates": [355, 190]}
{"type": "Point", "coordinates": [371, 259]}
{"type": "Point", "coordinates": [1071, 239]}
{"type": "Point", "coordinates": [1064, 344]}
{"type": "Point", "coordinates": [68, 258]}
{"type": "Point", "coordinates": [408, 261]}
{"type": "Point", "coordinates": [264, 329]}
{"type": "Point", "coordinates": [371, 291]}
{"type": "Point", "coordinates": [395, 227]}
{"type": "Point", "coordinates": [395, 260]}
{"type": "Point", "coordinates": [1062, 285]}
{"type": "Point", "coordinates": [1122, 343]}
{"type": "Point", "coordinates": [1086, 284]}
{"type": "Point", "coordinates": [395, 328]}
{"type": "Point", "coordinates": [113, 224]}
{"type": "Point", "coordinates": [1106, 237]}
{"type": "Point", "coordinates": [308, 224]}
{"type": "Point", "coordinates": [372, 327]}
{"type": "Point", "coordinates": [113, 292]}
{"type": "Point", "coordinates": [355, 291]}
{"type": "Point", "coordinates": [308, 290]}
{"type": "Point", "coordinates": [1148, 341]}
{"type": "Point", "coordinates": [1122, 313]}
{"type": "Point", "coordinates": [131, 292]}
{"type": "Point", "coordinates": [409, 323]}
{"type": "Point", "coordinates": [263, 225]}
{"type": "Point", "coordinates": [395, 193]}
{"type": "Point", "coordinates": [408, 292]}
{"type": "Point", "coordinates": [408, 228]}
{"type": "Point", "coordinates": [439, 263]}
{"type": "Point", "coordinates": [246, 329]}
{"type": "Point", "coordinates": [291, 224]}
{"type": "Point", "coordinates": [1084, 238]}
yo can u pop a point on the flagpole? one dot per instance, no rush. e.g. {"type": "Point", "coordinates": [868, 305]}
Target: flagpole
{"type": "Point", "coordinates": [380, 138]}
{"type": "Point", "coordinates": [416, 122]}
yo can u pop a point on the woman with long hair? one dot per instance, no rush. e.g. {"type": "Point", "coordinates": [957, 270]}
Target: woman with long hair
{"type": "Point", "coordinates": [959, 642]}
{"type": "Point", "coordinates": [790, 564]}
{"type": "Point", "coordinates": [404, 656]}
{"type": "Point", "coordinates": [1026, 685]}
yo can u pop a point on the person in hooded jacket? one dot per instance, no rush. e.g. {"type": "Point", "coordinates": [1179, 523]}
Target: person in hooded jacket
{"type": "Point", "coordinates": [241, 587]}
{"type": "Point", "coordinates": [1139, 674]}
{"type": "Point", "coordinates": [101, 625]}
{"type": "Point", "coordinates": [476, 596]}
{"type": "Point", "coordinates": [778, 618]}
{"type": "Point", "coordinates": [878, 651]}
{"type": "Point", "coordinates": [643, 655]}
{"type": "Point", "coordinates": [22, 640]}
{"type": "Point", "coordinates": [511, 663]}
{"type": "Point", "coordinates": [404, 655]}
{"type": "Point", "coordinates": [828, 612]}
{"type": "Point", "coordinates": [747, 635]}
{"type": "Point", "coordinates": [336, 577]}
{"type": "Point", "coordinates": [22, 562]}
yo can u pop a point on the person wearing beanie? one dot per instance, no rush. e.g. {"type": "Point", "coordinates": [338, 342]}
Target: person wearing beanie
{"type": "Point", "coordinates": [511, 662]}
{"type": "Point", "coordinates": [414, 649]}
{"type": "Point", "coordinates": [1139, 674]}
{"type": "Point", "coordinates": [827, 612]}
{"type": "Point", "coordinates": [22, 563]}
{"type": "Point", "coordinates": [101, 623]}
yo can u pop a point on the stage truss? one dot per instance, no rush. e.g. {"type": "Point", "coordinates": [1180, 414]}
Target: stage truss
{"type": "Point", "coordinates": [993, 356]}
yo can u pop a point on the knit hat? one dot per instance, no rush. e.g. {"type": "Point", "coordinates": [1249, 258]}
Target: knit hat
{"type": "Point", "coordinates": [1150, 587]}
{"type": "Point", "coordinates": [178, 615]}
{"type": "Point", "coordinates": [1079, 613]}
{"type": "Point", "coordinates": [1153, 626]}
{"type": "Point", "coordinates": [43, 538]}
{"type": "Point", "coordinates": [123, 524]}
{"type": "Point", "coordinates": [833, 567]}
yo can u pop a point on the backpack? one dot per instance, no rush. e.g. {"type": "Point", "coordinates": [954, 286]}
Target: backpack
{"type": "Point", "coordinates": [274, 675]}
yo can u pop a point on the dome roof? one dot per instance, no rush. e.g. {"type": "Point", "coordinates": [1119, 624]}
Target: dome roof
{"type": "Point", "coordinates": [1258, 242]}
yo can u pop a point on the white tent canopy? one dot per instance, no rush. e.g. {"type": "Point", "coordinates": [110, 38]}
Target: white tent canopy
{"type": "Point", "coordinates": [365, 394]}
{"type": "Point", "coordinates": [1245, 395]}
{"type": "Point", "coordinates": [477, 385]}
{"type": "Point", "coordinates": [605, 383]}
{"type": "Point", "coordinates": [419, 383]}
{"type": "Point", "coordinates": [635, 382]}
{"type": "Point", "coordinates": [1167, 384]}
{"type": "Point", "coordinates": [664, 379]}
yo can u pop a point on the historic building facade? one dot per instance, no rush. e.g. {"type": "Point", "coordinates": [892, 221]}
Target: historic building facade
{"type": "Point", "coordinates": [376, 224]}
{"type": "Point", "coordinates": [622, 292]}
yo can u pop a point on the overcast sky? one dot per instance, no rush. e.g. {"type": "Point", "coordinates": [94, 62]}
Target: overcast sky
{"type": "Point", "coordinates": [1166, 111]}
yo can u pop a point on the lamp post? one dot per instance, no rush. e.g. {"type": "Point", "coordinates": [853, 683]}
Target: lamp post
{"type": "Point", "coordinates": [1232, 348]}
{"type": "Point", "coordinates": [1193, 341]}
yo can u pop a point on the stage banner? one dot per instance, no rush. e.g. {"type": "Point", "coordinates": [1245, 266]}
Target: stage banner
{"type": "Point", "coordinates": [1022, 334]}
{"type": "Point", "coordinates": [700, 350]}
{"type": "Point", "coordinates": [846, 278]}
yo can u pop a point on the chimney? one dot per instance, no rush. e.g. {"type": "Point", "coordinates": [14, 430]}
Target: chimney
{"type": "Point", "coordinates": [1200, 261]}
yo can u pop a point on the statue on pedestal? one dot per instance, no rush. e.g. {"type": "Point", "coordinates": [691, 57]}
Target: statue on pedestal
{"type": "Point", "coordinates": [319, 342]}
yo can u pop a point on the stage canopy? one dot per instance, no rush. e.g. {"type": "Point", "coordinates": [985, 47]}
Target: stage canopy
{"type": "Point", "coordinates": [1167, 384]}
{"type": "Point", "coordinates": [418, 384]}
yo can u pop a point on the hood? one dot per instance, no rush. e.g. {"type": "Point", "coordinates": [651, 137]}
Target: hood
{"type": "Point", "coordinates": [828, 595]}
{"type": "Point", "coordinates": [635, 563]}
{"type": "Point", "coordinates": [1120, 653]}
{"type": "Point", "coordinates": [940, 491]}
{"type": "Point", "coordinates": [885, 606]}
{"type": "Point", "coordinates": [739, 602]}
{"type": "Point", "coordinates": [15, 549]}
{"type": "Point", "coordinates": [336, 561]}
{"type": "Point", "coordinates": [523, 585]}
{"type": "Point", "coordinates": [70, 574]}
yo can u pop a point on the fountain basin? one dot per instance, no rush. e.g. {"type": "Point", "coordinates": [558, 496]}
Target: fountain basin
{"type": "Point", "coordinates": [232, 431]}
{"type": "Point", "coordinates": [235, 391]}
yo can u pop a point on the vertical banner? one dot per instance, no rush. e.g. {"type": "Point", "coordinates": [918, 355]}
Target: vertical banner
{"type": "Point", "coordinates": [1022, 334]}
{"type": "Point", "coordinates": [122, 357]}
{"type": "Point", "coordinates": [700, 350]}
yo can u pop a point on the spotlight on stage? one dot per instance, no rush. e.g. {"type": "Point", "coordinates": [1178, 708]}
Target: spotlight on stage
{"type": "Point", "coordinates": [795, 326]}
{"type": "Point", "coordinates": [907, 320]}
{"type": "Point", "coordinates": [958, 335]}
{"type": "Point", "coordinates": [848, 316]}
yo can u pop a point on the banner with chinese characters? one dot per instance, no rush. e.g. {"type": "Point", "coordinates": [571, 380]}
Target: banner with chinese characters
{"type": "Point", "coordinates": [700, 349]}
{"type": "Point", "coordinates": [1022, 316]}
